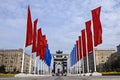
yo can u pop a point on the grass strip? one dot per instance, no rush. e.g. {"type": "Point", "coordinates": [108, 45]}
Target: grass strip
{"type": "Point", "coordinates": [7, 75]}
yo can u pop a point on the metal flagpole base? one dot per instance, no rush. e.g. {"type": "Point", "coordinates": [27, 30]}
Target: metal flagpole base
{"type": "Point", "coordinates": [29, 74]}
{"type": "Point", "coordinates": [88, 74]}
{"type": "Point", "coordinates": [78, 74]}
{"type": "Point", "coordinates": [96, 74]}
{"type": "Point", "coordinates": [72, 75]}
{"type": "Point", "coordinates": [83, 74]}
{"type": "Point", "coordinates": [21, 75]}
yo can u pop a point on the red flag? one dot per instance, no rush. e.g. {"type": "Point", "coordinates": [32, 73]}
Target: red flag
{"type": "Point", "coordinates": [39, 42]}
{"type": "Point", "coordinates": [80, 48]}
{"type": "Point", "coordinates": [97, 27]}
{"type": "Point", "coordinates": [29, 29]}
{"type": "Point", "coordinates": [89, 36]}
{"type": "Point", "coordinates": [34, 46]}
{"type": "Point", "coordinates": [77, 50]}
{"type": "Point", "coordinates": [43, 46]}
{"type": "Point", "coordinates": [83, 42]}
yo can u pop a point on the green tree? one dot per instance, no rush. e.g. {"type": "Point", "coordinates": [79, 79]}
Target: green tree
{"type": "Point", "coordinates": [2, 69]}
{"type": "Point", "coordinates": [115, 66]}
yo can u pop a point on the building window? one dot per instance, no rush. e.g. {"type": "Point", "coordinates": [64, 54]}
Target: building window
{"type": "Point", "coordinates": [11, 61]}
{"type": "Point", "coordinates": [11, 57]}
{"type": "Point", "coordinates": [102, 60]}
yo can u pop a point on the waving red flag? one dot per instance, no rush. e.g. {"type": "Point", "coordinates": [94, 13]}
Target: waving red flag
{"type": "Point", "coordinates": [97, 27]}
{"type": "Point", "coordinates": [29, 29]}
{"type": "Point", "coordinates": [34, 45]}
{"type": "Point", "coordinates": [77, 50]}
{"type": "Point", "coordinates": [89, 36]}
{"type": "Point", "coordinates": [39, 42]}
{"type": "Point", "coordinates": [43, 47]}
{"type": "Point", "coordinates": [80, 48]}
{"type": "Point", "coordinates": [83, 42]}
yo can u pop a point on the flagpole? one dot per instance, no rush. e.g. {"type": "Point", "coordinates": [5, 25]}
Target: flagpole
{"type": "Point", "coordinates": [46, 68]}
{"type": "Point", "coordinates": [49, 71]}
{"type": "Point", "coordinates": [95, 73]}
{"type": "Point", "coordinates": [94, 60]}
{"type": "Point", "coordinates": [87, 51]}
{"type": "Point", "coordinates": [42, 68]}
{"type": "Point", "coordinates": [76, 60]}
{"type": "Point", "coordinates": [77, 68]}
{"type": "Point", "coordinates": [46, 71]}
{"type": "Point", "coordinates": [82, 56]}
{"type": "Point", "coordinates": [23, 55]}
{"type": "Point", "coordinates": [77, 52]}
{"type": "Point", "coordinates": [79, 56]}
{"type": "Point", "coordinates": [74, 69]}
{"type": "Point", "coordinates": [30, 63]}
{"type": "Point", "coordinates": [38, 66]}
{"type": "Point", "coordinates": [35, 64]}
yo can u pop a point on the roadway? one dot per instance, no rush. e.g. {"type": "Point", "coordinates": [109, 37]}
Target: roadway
{"type": "Point", "coordinates": [63, 78]}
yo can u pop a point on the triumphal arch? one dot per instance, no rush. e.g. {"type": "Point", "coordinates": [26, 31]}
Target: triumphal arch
{"type": "Point", "coordinates": [60, 63]}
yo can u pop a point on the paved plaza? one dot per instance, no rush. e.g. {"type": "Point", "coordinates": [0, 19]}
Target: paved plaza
{"type": "Point", "coordinates": [64, 78]}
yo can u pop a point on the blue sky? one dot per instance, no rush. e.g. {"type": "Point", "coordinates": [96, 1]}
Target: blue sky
{"type": "Point", "coordinates": [60, 20]}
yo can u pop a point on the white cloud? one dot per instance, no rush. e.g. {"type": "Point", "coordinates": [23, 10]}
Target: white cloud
{"type": "Point", "coordinates": [110, 22]}
{"type": "Point", "coordinates": [61, 21]}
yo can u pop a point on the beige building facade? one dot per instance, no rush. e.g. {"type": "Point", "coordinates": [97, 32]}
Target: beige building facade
{"type": "Point", "coordinates": [102, 57]}
{"type": "Point", "coordinates": [12, 60]}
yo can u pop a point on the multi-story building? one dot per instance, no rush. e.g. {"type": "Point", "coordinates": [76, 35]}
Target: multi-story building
{"type": "Point", "coordinates": [12, 60]}
{"type": "Point", "coordinates": [101, 57]}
